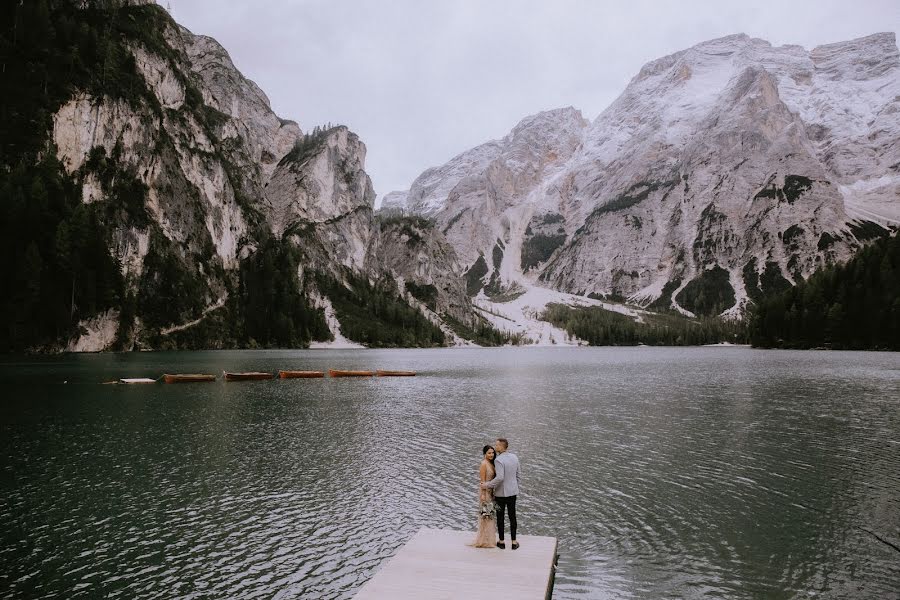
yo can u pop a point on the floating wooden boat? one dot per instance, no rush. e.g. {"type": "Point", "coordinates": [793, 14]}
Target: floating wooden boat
{"type": "Point", "coordinates": [187, 377]}
{"type": "Point", "coordinates": [249, 376]}
{"type": "Point", "coordinates": [300, 374]}
{"type": "Point", "coordinates": [383, 373]}
{"type": "Point", "coordinates": [136, 380]}
{"type": "Point", "coordinates": [337, 373]}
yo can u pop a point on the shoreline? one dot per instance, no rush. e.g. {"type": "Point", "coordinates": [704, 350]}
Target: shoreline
{"type": "Point", "coordinates": [325, 346]}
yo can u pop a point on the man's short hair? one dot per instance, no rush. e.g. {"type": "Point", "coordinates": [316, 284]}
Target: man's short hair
{"type": "Point", "coordinates": [503, 442]}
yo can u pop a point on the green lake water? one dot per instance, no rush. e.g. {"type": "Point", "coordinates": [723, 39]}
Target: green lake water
{"type": "Point", "coordinates": [664, 472]}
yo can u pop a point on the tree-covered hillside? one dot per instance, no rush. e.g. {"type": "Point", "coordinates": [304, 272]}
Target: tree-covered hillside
{"type": "Point", "coordinates": [58, 252]}
{"type": "Point", "coordinates": [600, 327]}
{"type": "Point", "coordinates": [53, 248]}
{"type": "Point", "coordinates": [376, 315]}
{"type": "Point", "coordinates": [851, 306]}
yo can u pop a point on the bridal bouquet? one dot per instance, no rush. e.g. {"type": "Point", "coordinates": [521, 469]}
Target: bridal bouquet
{"type": "Point", "coordinates": [488, 510]}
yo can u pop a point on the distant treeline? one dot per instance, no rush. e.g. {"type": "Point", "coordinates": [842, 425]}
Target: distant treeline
{"type": "Point", "coordinates": [852, 306]}
{"type": "Point", "coordinates": [376, 315]}
{"type": "Point", "coordinates": [265, 305]}
{"type": "Point", "coordinates": [600, 327]}
{"type": "Point", "coordinates": [308, 143]}
{"type": "Point", "coordinates": [485, 334]}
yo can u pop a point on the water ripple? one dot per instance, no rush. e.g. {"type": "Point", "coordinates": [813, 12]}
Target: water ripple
{"type": "Point", "coordinates": [688, 473]}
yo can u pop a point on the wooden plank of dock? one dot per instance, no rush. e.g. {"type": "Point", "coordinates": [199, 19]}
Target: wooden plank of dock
{"type": "Point", "coordinates": [438, 563]}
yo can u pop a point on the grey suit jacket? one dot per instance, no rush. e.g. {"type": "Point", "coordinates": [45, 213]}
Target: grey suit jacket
{"type": "Point", "coordinates": [506, 482]}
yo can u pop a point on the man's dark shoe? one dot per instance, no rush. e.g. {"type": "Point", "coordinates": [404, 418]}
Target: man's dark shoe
{"type": "Point", "coordinates": [501, 545]}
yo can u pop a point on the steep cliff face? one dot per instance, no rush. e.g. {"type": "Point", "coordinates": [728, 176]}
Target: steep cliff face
{"type": "Point", "coordinates": [257, 132]}
{"type": "Point", "coordinates": [223, 220]}
{"type": "Point", "coordinates": [201, 141]}
{"type": "Point", "coordinates": [425, 265]}
{"type": "Point", "coordinates": [490, 192]}
{"type": "Point", "coordinates": [735, 157]}
{"type": "Point", "coordinates": [320, 196]}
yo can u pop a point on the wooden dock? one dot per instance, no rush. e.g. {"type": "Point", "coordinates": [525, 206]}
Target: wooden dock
{"type": "Point", "coordinates": [438, 563]}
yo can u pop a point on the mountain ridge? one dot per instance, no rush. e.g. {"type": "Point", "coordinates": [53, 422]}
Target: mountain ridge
{"type": "Point", "coordinates": [180, 211]}
{"type": "Point", "coordinates": [708, 158]}
{"type": "Point", "coordinates": [154, 200]}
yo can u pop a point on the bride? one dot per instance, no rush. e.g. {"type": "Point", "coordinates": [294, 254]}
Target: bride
{"type": "Point", "coordinates": [487, 513]}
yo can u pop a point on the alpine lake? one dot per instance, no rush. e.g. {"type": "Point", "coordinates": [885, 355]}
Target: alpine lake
{"type": "Point", "coordinates": [663, 472]}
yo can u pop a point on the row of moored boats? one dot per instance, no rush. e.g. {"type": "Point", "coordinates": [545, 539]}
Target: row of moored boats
{"type": "Point", "coordinates": [261, 375]}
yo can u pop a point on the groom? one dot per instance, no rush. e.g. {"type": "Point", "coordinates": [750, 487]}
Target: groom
{"type": "Point", "coordinates": [506, 486]}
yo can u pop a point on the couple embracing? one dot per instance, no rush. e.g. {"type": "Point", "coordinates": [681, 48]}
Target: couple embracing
{"type": "Point", "coordinates": [499, 475]}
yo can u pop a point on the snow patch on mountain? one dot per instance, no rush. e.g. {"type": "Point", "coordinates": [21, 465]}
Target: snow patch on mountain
{"type": "Point", "coordinates": [395, 201]}
{"type": "Point", "coordinates": [521, 315]}
{"type": "Point", "coordinates": [876, 199]}
{"type": "Point", "coordinates": [733, 154]}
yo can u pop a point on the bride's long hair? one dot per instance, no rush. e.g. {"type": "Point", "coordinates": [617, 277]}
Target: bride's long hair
{"type": "Point", "coordinates": [484, 453]}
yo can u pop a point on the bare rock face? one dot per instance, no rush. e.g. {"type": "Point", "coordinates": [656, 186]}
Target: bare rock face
{"type": "Point", "coordinates": [494, 189]}
{"type": "Point", "coordinates": [182, 152]}
{"type": "Point", "coordinates": [263, 137]}
{"type": "Point", "coordinates": [733, 155]}
{"type": "Point", "coordinates": [416, 254]}
{"type": "Point", "coordinates": [323, 181]}
{"type": "Point", "coordinates": [395, 203]}
{"type": "Point", "coordinates": [99, 333]}
{"type": "Point", "coordinates": [320, 193]}
{"type": "Point", "coordinates": [219, 169]}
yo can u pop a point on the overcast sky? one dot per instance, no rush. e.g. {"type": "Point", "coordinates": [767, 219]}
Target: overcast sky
{"type": "Point", "coordinates": [423, 80]}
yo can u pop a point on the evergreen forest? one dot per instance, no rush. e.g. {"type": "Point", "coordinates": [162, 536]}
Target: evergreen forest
{"type": "Point", "coordinates": [375, 314]}
{"type": "Point", "coordinates": [54, 249]}
{"type": "Point", "coordinates": [601, 327]}
{"type": "Point", "coordinates": [851, 306]}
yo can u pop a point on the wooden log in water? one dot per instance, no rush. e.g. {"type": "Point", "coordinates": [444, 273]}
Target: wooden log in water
{"type": "Point", "coordinates": [439, 563]}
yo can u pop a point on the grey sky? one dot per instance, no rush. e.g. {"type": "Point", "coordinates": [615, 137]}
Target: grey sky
{"type": "Point", "coordinates": [421, 80]}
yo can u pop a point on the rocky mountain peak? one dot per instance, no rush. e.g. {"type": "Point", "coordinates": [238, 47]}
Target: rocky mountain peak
{"type": "Point", "coordinates": [264, 136]}
{"type": "Point", "coordinates": [395, 201]}
{"type": "Point", "coordinates": [543, 138]}
{"type": "Point", "coordinates": [864, 58]}
{"type": "Point", "coordinates": [430, 189]}
{"type": "Point", "coordinates": [321, 179]}
{"type": "Point", "coordinates": [707, 160]}
{"type": "Point", "coordinates": [548, 121]}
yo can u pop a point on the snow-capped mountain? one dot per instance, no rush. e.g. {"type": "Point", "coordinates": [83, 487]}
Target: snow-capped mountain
{"type": "Point", "coordinates": [733, 164]}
